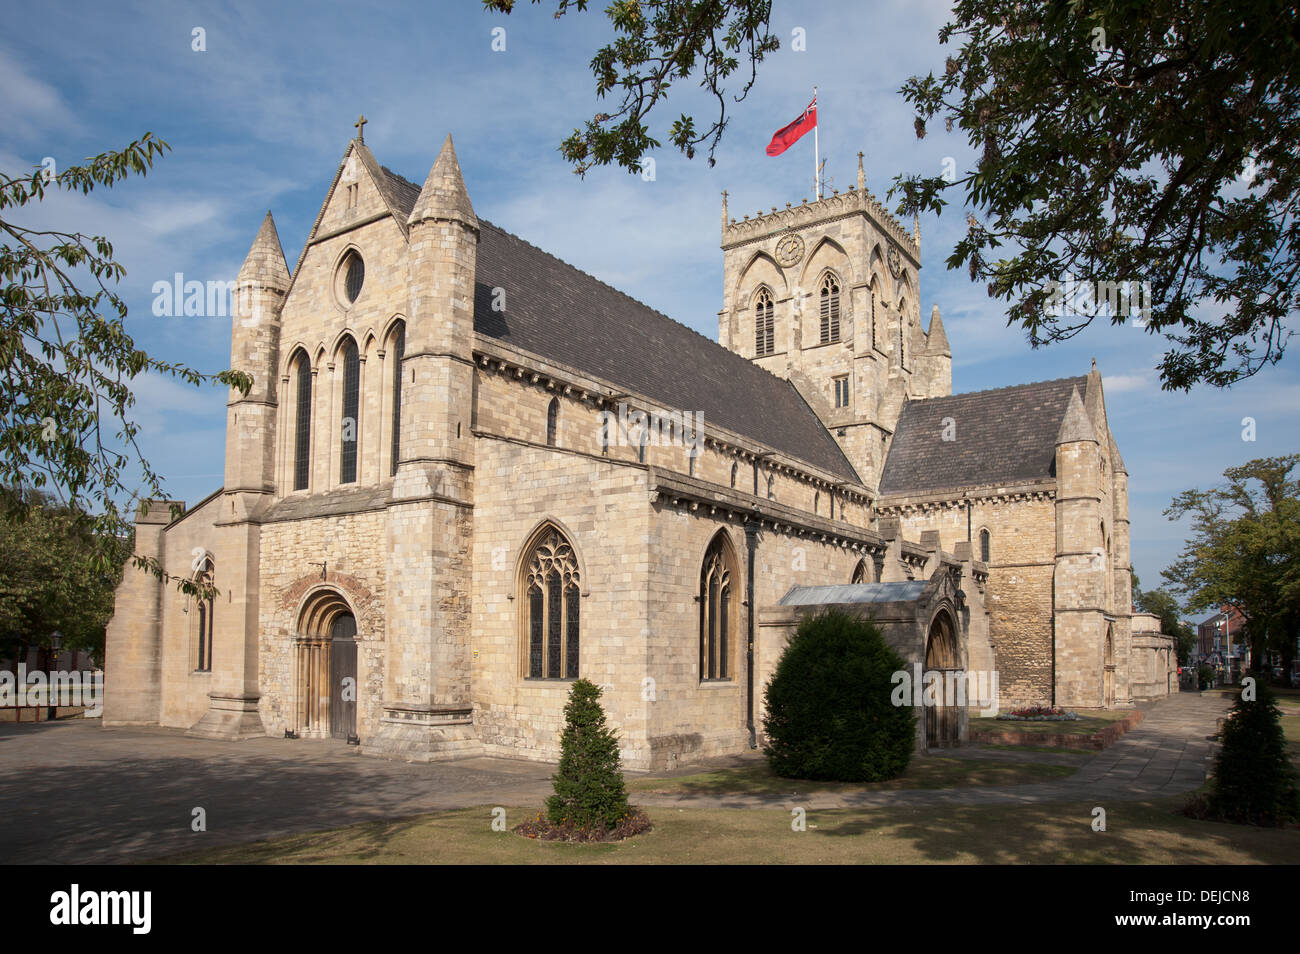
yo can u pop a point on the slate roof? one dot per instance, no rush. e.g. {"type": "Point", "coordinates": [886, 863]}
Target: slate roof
{"type": "Point", "coordinates": [1003, 436]}
{"type": "Point", "coordinates": [563, 314]}
{"type": "Point", "coordinates": [904, 591]}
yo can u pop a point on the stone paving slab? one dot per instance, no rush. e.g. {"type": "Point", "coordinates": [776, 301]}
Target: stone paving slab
{"type": "Point", "coordinates": [74, 792]}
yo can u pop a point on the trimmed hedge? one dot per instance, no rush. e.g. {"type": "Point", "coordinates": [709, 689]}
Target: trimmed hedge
{"type": "Point", "coordinates": [829, 715]}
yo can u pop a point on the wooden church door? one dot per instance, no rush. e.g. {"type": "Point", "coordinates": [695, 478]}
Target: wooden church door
{"type": "Point", "coordinates": [343, 676]}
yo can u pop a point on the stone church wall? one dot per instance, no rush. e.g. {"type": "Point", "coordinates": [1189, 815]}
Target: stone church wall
{"type": "Point", "coordinates": [354, 548]}
{"type": "Point", "coordinates": [184, 690]}
{"type": "Point", "coordinates": [601, 506]}
{"type": "Point", "coordinates": [1022, 554]}
{"type": "Point", "coordinates": [691, 720]}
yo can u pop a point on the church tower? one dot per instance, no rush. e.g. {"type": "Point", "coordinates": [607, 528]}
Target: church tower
{"type": "Point", "coordinates": [826, 295]}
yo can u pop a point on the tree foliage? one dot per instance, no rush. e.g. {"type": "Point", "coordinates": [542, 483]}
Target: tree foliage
{"type": "Point", "coordinates": [829, 712]}
{"type": "Point", "coordinates": [589, 787]}
{"type": "Point", "coordinates": [1129, 140]}
{"type": "Point", "coordinates": [50, 581]}
{"type": "Point", "coordinates": [658, 43]}
{"type": "Point", "coordinates": [1142, 141]}
{"type": "Point", "coordinates": [1244, 551]}
{"type": "Point", "coordinates": [1165, 605]}
{"type": "Point", "coordinates": [68, 363]}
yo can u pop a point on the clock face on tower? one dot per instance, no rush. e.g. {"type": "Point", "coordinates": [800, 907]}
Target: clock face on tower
{"type": "Point", "coordinates": [789, 251]}
{"type": "Point", "coordinates": [895, 261]}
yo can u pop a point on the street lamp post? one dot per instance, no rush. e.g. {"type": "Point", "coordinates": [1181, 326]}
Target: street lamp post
{"type": "Point", "coordinates": [56, 643]}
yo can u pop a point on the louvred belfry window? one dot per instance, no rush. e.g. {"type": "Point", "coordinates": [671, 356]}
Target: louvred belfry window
{"type": "Point", "coordinates": [764, 326]}
{"type": "Point", "coordinates": [830, 309]}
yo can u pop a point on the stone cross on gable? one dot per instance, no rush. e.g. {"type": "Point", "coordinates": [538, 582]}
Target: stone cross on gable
{"type": "Point", "coordinates": [361, 127]}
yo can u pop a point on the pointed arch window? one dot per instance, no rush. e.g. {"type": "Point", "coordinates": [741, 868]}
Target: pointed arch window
{"type": "Point", "coordinates": [302, 426]}
{"type": "Point", "coordinates": [902, 327]}
{"type": "Point", "coordinates": [734, 468]}
{"type": "Point", "coordinates": [985, 543]}
{"type": "Point", "coordinates": [872, 292]}
{"type": "Point", "coordinates": [830, 308]}
{"type": "Point", "coordinates": [349, 424]}
{"type": "Point", "coordinates": [399, 351]}
{"type": "Point", "coordinates": [552, 594]}
{"type": "Point", "coordinates": [552, 421]}
{"type": "Point", "coordinates": [764, 325]}
{"type": "Point", "coordinates": [718, 578]}
{"type": "Point", "coordinates": [205, 578]}
{"type": "Point", "coordinates": [860, 572]}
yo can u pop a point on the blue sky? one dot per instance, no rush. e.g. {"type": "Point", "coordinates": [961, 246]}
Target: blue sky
{"type": "Point", "coordinates": [260, 120]}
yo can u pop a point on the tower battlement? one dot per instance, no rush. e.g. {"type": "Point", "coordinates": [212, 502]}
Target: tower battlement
{"type": "Point", "coordinates": [767, 224]}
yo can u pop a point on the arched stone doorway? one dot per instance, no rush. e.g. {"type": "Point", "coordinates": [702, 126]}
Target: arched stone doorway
{"type": "Point", "coordinates": [325, 668]}
{"type": "Point", "coordinates": [1108, 671]}
{"type": "Point", "coordinates": [943, 721]}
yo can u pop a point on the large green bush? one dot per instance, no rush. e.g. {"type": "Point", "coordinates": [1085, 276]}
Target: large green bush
{"type": "Point", "coordinates": [589, 788]}
{"type": "Point", "coordinates": [1253, 780]}
{"type": "Point", "coordinates": [828, 709]}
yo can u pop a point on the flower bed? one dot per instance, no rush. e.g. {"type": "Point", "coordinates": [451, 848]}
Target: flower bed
{"type": "Point", "coordinates": [1040, 714]}
{"type": "Point", "coordinates": [1066, 740]}
{"type": "Point", "coordinates": [635, 822]}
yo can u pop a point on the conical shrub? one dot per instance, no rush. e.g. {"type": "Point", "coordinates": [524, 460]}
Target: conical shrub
{"type": "Point", "coordinates": [1253, 780]}
{"type": "Point", "coordinates": [589, 788]}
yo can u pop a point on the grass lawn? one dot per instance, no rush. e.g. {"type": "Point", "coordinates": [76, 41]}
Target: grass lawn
{"type": "Point", "coordinates": [1137, 833]}
{"type": "Point", "coordinates": [930, 771]}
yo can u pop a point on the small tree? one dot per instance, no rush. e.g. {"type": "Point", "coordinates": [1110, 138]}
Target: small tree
{"type": "Point", "coordinates": [589, 789]}
{"type": "Point", "coordinates": [1253, 780]}
{"type": "Point", "coordinates": [829, 712]}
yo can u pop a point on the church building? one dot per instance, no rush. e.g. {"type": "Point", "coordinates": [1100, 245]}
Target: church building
{"type": "Point", "coordinates": [468, 473]}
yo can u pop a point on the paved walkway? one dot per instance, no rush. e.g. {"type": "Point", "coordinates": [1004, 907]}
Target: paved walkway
{"type": "Point", "coordinates": [1167, 754]}
{"type": "Point", "coordinates": [75, 792]}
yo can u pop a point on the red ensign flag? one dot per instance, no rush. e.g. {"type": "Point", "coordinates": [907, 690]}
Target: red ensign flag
{"type": "Point", "coordinates": [787, 136]}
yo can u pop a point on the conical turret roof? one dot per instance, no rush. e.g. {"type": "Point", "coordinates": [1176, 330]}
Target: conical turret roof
{"type": "Point", "coordinates": [264, 263]}
{"type": "Point", "coordinates": [444, 195]}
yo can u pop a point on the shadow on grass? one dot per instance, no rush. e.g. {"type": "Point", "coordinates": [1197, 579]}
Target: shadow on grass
{"type": "Point", "coordinates": [1136, 833]}
{"type": "Point", "coordinates": [927, 772]}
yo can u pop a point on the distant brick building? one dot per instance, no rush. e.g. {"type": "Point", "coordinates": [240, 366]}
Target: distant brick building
{"type": "Point", "coordinates": [468, 473]}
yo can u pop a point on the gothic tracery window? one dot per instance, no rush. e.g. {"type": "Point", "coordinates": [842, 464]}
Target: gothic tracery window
{"type": "Point", "coordinates": [830, 308]}
{"type": "Point", "coordinates": [552, 593]}
{"type": "Point", "coordinates": [717, 611]}
{"type": "Point", "coordinates": [764, 327]}
{"type": "Point", "coordinates": [859, 572]}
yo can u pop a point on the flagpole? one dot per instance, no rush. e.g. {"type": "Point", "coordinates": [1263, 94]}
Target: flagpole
{"type": "Point", "coordinates": [817, 185]}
